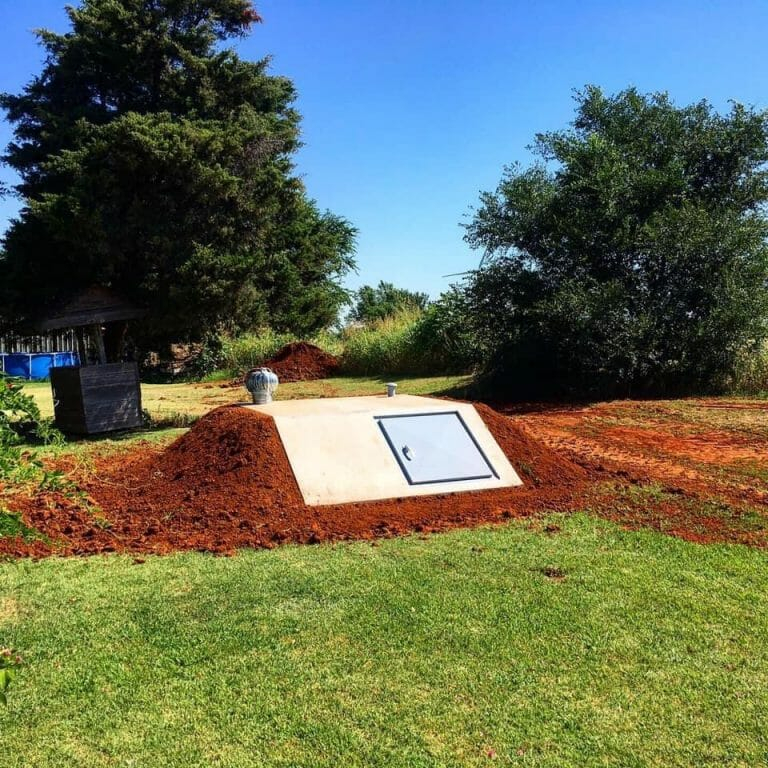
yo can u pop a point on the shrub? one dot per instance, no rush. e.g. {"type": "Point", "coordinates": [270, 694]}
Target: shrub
{"type": "Point", "coordinates": [444, 336]}
{"type": "Point", "coordinates": [632, 257]}
{"type": "Point", "coordinates": [751, 374]}
{"type": "Point", "coordinates": [19, 420]}
{"type": "Point", "coordinates": [385, 300]}
{"type": "Point", "coordinates": [208, 359]}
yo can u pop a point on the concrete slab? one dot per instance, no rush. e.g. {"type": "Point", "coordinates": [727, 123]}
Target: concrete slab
{"type": "Point", "coordinates": [339, 454]}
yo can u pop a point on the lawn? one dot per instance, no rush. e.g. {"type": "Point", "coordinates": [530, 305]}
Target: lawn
{"type": "Point", "coordinates": [173, 407]}
{"type": "Point", "coordinates": [582, 646]}
{"type": "Point", "coordinates": [168, 402]}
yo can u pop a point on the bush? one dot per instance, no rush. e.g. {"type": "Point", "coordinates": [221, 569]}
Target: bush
{"type": "Point", "coordinates": [751, 374]}
{"type": "Point", "coordinates": [385, 300]}
{"type": "Point", "coordinates": [444, 336]}
{"type": "Point", "coordinates": [632, 258]}
{"type": "Point", "coordinates": [20, 420]}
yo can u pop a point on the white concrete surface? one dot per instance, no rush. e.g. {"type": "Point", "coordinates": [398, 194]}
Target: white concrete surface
{"type": "Point", "coordinates": [338, 453]}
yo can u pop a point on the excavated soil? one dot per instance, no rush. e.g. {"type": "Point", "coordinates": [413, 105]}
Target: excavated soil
{"type": "Point", "coordinates": [300, 361]}
{"type": "Point", "coordinates": [693, 469]}
{"type": "Point", "coordinates": [696, 469]}
{"type": "Point", "coordinates": [227, 484]}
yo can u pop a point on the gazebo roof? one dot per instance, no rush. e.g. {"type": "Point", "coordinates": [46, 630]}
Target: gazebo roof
{"type": "Point", "coordinates": [94, 306]}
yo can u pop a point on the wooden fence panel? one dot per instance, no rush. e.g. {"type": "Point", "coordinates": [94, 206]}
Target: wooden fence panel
{"type": "Point", "coordinates": [57, 341]}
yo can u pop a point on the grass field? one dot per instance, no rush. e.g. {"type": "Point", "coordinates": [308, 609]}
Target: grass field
{"type": "Point", "coordinates": [447, 650]}
{"type": "Point", "coordinates": [168, 402]}
{"type": "Point", "coordinates": [174, 407]}
{"type": "Point", "coordinates": [563, 641]}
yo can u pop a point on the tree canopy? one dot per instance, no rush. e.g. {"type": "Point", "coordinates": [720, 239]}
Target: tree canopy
{"type": "Point", "coordinates": [384, 300]}
{"type": "Point", "coordinates": [632, 256]}
{"type": "Point", "coordinates": [157, 162]}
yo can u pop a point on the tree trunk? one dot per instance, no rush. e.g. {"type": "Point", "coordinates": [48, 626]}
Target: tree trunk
{"type": "Point", "coordinates": [114, 341]}
{"type": "Point", "coordinates": [98, 342]}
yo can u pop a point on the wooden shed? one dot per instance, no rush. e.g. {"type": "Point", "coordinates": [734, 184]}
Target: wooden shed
{"type": "Point", "coordinates": [103, 393]}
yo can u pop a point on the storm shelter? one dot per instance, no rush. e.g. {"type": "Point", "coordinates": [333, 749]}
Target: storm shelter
{"type": "Point", "coordinates": [351, 449]}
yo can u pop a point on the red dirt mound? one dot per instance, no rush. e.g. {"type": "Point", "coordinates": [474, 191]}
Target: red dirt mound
{"type": "Point", "coordinates": [300, 361]}
{"type": "Point", "coordinates": [227, 483]}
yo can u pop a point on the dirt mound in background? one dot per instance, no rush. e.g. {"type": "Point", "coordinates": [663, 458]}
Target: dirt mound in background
{"type": "Point", "coordinates": [227, 483]}
{"type": "Point", "coordinates": [301, 361]}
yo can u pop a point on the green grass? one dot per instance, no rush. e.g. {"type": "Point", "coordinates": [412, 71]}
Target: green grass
{"type": "Point", "coordinates": [350, 386]}
{"type": "Point", "coordinates": [591, 647]}
{"type": "Point", "coordinates": [173, 407]}
{"type": "Point", "coordinates": [184, 401]}
{"type": "Point", "coordinates": [448, 650]}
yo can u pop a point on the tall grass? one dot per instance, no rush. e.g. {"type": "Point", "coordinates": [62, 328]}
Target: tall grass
{"type": "Point", "coordinates": [382, 346]}
{"type": "Point", "coordinates": [410, 342]}
{"type": "Point", "coordinates": [252, 349]}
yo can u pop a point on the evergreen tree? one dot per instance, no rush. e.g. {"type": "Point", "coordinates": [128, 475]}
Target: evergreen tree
{"type": "Point", "coordinates": [158, 163]}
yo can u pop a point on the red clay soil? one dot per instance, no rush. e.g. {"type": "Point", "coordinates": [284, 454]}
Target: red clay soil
{"type": "Point", "coordinates": [680, 453]}
{"type": "Point", "coordinates": [672, 472]}
{"type": "Point", "coordinates": [300, 361]}
{"type": "Point", "coordinates": [227, 484]}
{"type": "Point", "coordinates": [697, 470]}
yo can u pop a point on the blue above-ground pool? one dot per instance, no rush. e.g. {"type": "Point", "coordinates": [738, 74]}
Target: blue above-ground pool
{"type": "Point", "coordinates": [36, 365]}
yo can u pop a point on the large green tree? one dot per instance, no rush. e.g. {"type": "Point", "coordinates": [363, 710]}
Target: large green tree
{"type": "Point", "coordinates": [632, 257]}
{"type": "Point", "coordinates": [157, 162]}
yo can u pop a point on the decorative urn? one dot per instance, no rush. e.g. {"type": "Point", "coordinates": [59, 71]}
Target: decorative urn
{"type": "Point", "coordinates": [262, 384]}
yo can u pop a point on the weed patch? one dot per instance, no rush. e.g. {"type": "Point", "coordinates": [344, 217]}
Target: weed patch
{"type": "Point", "coordinates": [12, 526]}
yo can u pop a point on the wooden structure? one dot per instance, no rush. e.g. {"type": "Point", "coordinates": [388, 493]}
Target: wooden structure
{"type": "Point", "coordinates": [96, 398]}
{"type": "Point", "coordinates": [103, 393]}
{"type": "Point", "coordinates": [56, 341]}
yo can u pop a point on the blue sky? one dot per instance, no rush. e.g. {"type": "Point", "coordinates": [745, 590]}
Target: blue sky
{"type": "Point", "coordinates": [411, 108]}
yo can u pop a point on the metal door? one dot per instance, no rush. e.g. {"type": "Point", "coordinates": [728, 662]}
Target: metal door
{"type": "Point", "coordinates": [435, 447]}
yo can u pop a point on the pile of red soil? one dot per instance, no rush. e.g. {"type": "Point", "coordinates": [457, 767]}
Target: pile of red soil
{"type": "Point", "coordinates": [300, 361]}
{"type": "Point", "coordinates": [227, 484]}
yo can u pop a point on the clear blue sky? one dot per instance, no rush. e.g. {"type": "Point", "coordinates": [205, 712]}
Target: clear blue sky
{"type": "Point", "coordinates": [411, 108]}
